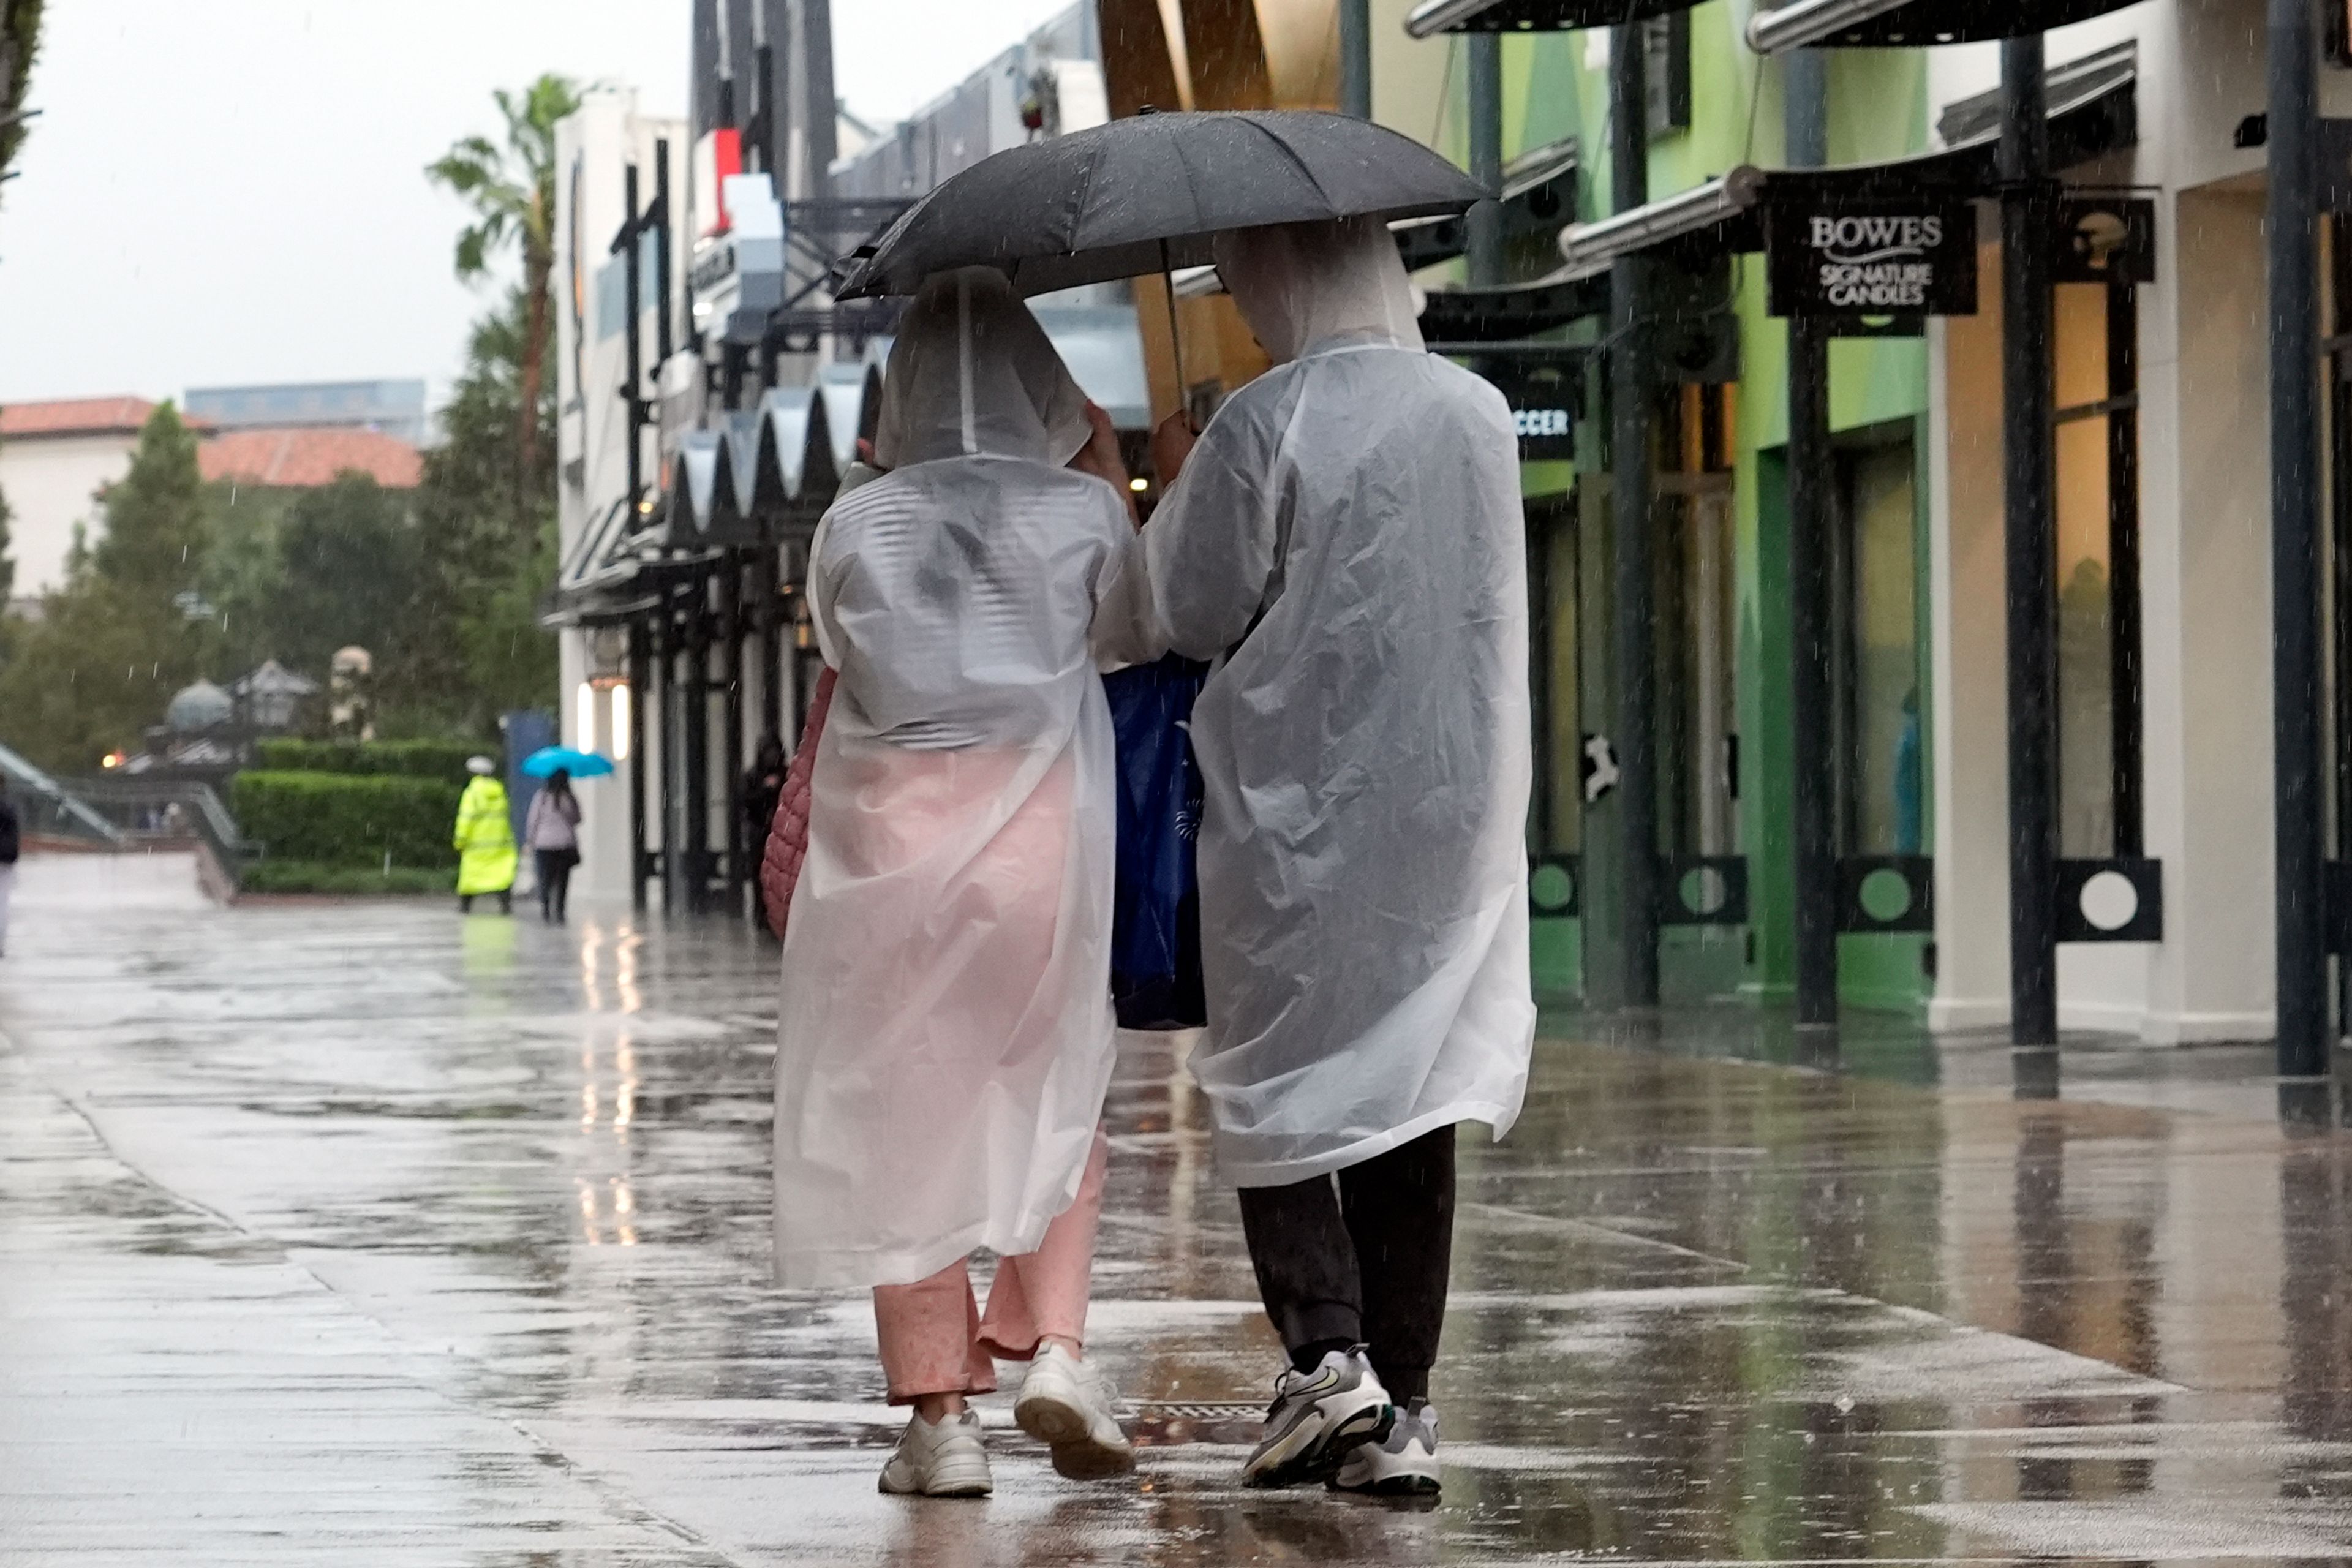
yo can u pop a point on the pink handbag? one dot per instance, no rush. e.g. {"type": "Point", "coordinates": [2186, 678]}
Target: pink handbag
{"type": "Point", "coordinates": [788, 835]}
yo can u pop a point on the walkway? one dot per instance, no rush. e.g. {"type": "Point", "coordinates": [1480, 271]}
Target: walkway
{"type": "Point", "coordinates": [357, 1231]}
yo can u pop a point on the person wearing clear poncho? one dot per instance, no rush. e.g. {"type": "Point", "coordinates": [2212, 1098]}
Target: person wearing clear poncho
{"type": "Point", "coordinates": [945, 1034]}
{"type": "Point", "coordinates": [1345, 542]}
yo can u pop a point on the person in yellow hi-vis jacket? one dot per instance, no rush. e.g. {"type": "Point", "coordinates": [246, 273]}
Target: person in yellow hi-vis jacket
{"type": "Point", "coordinates": [484, 840]}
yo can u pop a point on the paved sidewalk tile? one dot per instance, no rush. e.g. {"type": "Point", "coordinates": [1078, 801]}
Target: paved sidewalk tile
{"type": "Point", "coordinates": [358, 1232]}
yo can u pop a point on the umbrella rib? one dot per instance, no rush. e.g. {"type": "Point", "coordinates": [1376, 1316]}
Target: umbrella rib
{"type": "Point", "coordinates": [1298, 163]}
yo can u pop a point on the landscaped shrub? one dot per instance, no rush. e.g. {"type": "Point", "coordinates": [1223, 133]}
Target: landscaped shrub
{"type": "Point", "coordinates": [348, 819]}
{"type": "Point", "coordinates": [401, 758]}
{"type": "Point", "coordinates": [311, 877]}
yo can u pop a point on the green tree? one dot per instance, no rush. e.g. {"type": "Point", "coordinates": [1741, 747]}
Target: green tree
{"type": "Point", "coordinates": [353, 574]}
{"type": "Point", "coordinates": [7, 561]}
{"type": "Point", "coordinates": [512, 188]}
{"type": "Point", "coordinates": [113, 644]}
{"type": "Point", "coordinates": [479, 650]}
{"type": "Point", "coordinates": [20, 42]}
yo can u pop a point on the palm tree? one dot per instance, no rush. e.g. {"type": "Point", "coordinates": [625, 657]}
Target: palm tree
{"type": "Point", "coordinates": [513, 190]}
{"type": "Point", "coordinates": [20, 41]}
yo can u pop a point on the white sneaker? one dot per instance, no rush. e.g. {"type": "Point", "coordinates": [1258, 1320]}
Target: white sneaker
{"type": "Point", "coordinates": [1067, 1404]}
{"type": "Point", "coordinates": [1402, 1464]}
{"type": "Point", "coordinates": [1316, 1418]}
{"type": "Point", "coordinates": [944, 1459]}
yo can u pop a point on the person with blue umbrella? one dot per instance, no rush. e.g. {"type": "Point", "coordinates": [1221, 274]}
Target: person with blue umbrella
{"type": "Point", "coordinates": [550, 829]}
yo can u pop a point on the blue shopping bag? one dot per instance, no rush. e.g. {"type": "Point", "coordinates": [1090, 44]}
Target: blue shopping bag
{"type": "Point", "coordinates": [1155, 964]}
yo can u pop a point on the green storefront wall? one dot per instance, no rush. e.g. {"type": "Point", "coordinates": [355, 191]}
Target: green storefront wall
{"type": "Point", "coordinates": [1555, 86]}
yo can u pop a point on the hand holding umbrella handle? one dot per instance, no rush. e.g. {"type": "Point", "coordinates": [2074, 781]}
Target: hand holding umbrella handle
{"type": "Point", "coordinates": [1100, 457]}
{"type": "Point", "coordinates": [1172, 443]}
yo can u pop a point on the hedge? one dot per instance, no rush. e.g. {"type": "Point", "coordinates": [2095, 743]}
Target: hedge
{"type": "Point", "coordinates": [400, 759]}
{"type": "Point", "coordinates": [348, 819]}
{"type": "Point", "coordinates": [275, 876]}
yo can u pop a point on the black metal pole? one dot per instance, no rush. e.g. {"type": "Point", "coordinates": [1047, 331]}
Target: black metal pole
{"type": "Point", "coordinates": [2128, 705]}
{"type": "Point", "coordinates": [816, 107]}
{"type": "Point", "coordinates": [764, 583]}
{"type": "Point", "coordinates": [663, 343]}
{"type": "Point", "coordinates": [1632, 389]}
{"type": "Point", "coordinates": [657, 710]}
{"type": "Point", "coordinates": [2031, 545]}
{"type": "Point", "coordinates": [633, 390]}
{"type": "Point", "coordinates": [640, 690]}
{"type": "Point", "coordinates": [2294, 537]}
{"type": "Point", "coordinates": [731, 622]}
{"type": "Point", "coordinates": [1811, 624]}
{"type": "Point", "coordinates": [694, 734]}
{"type": "Point", "coordinates": [1356, 59]}
{"type": "Point", "coordinates": [1483, 223]}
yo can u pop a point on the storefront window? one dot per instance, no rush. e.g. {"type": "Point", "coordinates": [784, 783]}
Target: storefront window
{"type": "Point", "coordinates": [1557, 810]}
{"type": "Point", "coordinates": [1881, 792]}
{"type": "Point", "coordinates": [1697, 744]}
{"type": "Point", "coordinates": [2097, 572]}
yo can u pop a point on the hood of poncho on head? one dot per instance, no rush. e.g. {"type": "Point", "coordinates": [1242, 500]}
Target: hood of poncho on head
{"type": "Point", "coordinates": [973, 373]}
{"type": "Point", "coordinates": [1298, 283]}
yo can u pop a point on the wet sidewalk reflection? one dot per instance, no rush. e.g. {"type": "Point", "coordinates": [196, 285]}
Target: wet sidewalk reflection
{"type": "Point", "coordinates": [360, 1230]}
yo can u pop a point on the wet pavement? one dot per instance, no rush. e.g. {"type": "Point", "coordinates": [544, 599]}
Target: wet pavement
{"type": "Point", "coordinates": [358, 1232]}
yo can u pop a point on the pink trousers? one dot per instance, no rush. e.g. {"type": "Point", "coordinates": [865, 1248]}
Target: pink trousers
{"type": "Point", "coordinates": [934, 1338]}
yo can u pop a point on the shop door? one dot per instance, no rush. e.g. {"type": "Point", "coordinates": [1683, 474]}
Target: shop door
{"type": "Point", "coordinates": [1704, 890]}
{"type": "Point", "coordinates": [1875, 673]}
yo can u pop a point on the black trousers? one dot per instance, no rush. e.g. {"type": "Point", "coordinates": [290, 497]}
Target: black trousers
{"type": "Point", "coordinates": [554, 880]}
{"type": "Point", "coordinates": [1361, 1258]}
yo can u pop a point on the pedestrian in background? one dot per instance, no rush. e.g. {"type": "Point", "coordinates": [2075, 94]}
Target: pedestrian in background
{"type": "Point", "coordinates": [11, 836]}
{"type": "Point", "coordinates": [945, 1038]}
{"type": "Point", "coordinates": [1346, 544]}
{"type": "Point", "coordinates": [763, 786]}
{"type": "Point", "coordinates": [484, 839]}
{"type": "Point", "coordinates": [550, 829]}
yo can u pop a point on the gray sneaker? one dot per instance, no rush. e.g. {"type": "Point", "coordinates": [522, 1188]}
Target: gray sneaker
{"type": "Point", "coordinates": [1316, 1418]}
{"type": "Point", "coordinates": [942, 1460]}
{"type": "Point", "coordinates": [1402, 1464]}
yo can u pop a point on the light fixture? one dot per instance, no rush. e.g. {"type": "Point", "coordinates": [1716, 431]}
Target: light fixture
{"type": "Point", "coordinates": [621, 698]}
{"type": "Point", "coordinates": [1138, 485]}
{"type": "Point", "coordinates": [584, 721]}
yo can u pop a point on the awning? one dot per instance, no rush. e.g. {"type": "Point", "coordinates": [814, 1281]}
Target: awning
{"type": "Point", "coordinates": [1538, 191]}
{"type": "Point", "coordinates": [1896, 24]}
{"type": "Point", "coordinates": [1452, 317]}
{"type": "Point", "coordinates": [2091, 113]}
{"type": "Point", "coordinates": [1432, 16]}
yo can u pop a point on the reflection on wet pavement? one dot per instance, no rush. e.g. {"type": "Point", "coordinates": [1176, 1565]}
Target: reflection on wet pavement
{"type": "Point", "coordinates": [360, 1230]}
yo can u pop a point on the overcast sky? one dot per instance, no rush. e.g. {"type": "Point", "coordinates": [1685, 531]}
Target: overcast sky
{"type": "Point", "coordinates": [234, 193]}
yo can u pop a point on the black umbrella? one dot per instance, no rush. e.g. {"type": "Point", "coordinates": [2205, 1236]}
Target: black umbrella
{"type": "Point", "coordinates": [1147, 194]}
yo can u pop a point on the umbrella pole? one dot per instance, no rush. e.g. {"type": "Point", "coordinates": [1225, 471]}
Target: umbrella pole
{"type": "Point", "coordinates": [1175, 340]}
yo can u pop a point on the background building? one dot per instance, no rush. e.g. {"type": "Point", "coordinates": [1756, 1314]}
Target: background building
{"type": "Point", "coordinates": [686, 510]}
{"type": "Point", "coordinates": [54, 459]}
{"type": "Point", "coordinates": [395, 408]}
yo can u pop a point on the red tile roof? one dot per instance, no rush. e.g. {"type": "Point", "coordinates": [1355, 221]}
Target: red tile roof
{"type": "Point", "coordinates": [303, 458]}
{"type": "Point", "coordinates": [74, 416]}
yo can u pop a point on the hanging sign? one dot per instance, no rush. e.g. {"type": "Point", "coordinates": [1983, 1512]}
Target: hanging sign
{"type": "Point", "coordinates": [1543, 394]}
{"type": "Point", "coordinates": [1880, 256]}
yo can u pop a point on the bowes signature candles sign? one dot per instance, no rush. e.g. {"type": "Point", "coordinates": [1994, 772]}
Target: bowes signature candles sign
{"type": "Point", "coordinates": [1893, 257]}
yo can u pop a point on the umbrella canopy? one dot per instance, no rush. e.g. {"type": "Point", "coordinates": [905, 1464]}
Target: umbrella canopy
{"type": "Point", "coordinates": [1139, 194]}
{"type": "Point", "coordinates": [543, 761]}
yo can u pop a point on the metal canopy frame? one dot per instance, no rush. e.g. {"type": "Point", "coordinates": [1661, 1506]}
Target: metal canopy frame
{"type": "Point", "coordinates": [1903, 23]}
{"type": "Point", "coordinates": [1434, 16]}
{"type": "Point", "coordinates": [1500, 318]}
{"type": "Point", "coordinates": [2091, 114]}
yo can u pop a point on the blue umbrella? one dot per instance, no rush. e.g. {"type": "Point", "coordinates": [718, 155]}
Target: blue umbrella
{"type": "Point", "coordinates": [579, 764]}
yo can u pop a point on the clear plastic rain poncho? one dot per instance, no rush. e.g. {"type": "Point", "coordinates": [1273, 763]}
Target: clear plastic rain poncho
{"type": "Point", "coordinates": [1347, 540]}
{"type": "Point", "coordinates": [945, 1036]}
